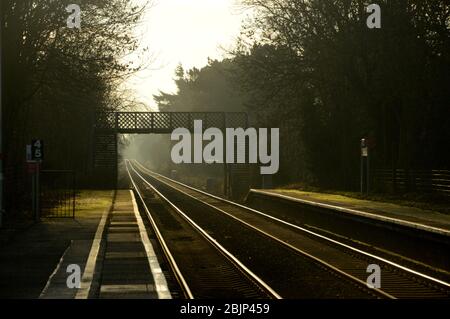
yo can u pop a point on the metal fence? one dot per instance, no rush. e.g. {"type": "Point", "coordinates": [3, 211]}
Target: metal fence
{"type": "Point", "coordinates": [401, 180]}
{"type": "Point", "coordinates": [57, 193]}
{"type": "Point", "coordinates": [165, 122]}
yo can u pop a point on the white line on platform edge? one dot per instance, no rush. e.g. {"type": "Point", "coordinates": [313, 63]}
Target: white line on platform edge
{"type": "Point", "coordinates": [88, 275]}
{"type": "Point", "coordinates": [383, 218]}
{"type": "Point", "coordinates": [61, 260]}
{"type": "Point", "coordinates": [160, 281]}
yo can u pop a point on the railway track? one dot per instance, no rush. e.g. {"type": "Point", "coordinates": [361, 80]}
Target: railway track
{"type": "Point", "coordinates": [331, 256]}
{"type": "Point", "coordinates": [201, 266]}
{"type": "Point", "coordinates": [290, 274]}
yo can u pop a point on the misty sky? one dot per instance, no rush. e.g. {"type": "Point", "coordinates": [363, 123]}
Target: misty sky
{"type": "Point", "coordinates": [183, 31]}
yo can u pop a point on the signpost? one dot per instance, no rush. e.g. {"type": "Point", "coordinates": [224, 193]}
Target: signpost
{"type": "Point", "coordinates": [35, 155]}
{"type": "Point", "coordinates": [364, 165]}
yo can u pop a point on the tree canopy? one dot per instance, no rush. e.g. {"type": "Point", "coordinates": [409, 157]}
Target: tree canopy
{"type": "Point", "coordinates": [315, 69]}
{"type": "Point", "coordinates": [54, 77]}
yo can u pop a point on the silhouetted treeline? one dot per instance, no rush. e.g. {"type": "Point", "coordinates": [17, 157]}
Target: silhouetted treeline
{"type": "Point", "coordinates": [206, 90]}
{"type": "Point", "coordinates": [315, 70]}
{"type": "Point", "coordinates": [54, 78]}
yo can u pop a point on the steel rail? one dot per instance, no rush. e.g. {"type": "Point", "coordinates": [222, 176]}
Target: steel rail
{"type": "Point", "coordinates": [356, 250]}
{"type": "Point", "coordinates": [173, 264]}
{"type": "Point", "coordinates": [327, 265]}
{"type": "Point", "coordinates": [244, 269]}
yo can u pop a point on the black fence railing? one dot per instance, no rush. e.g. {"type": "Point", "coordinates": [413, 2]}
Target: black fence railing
{"type": "Point", "coordinates": [57, 193]}
{"type": "Point", "coordinates": [165, 122]}
{"type": "Point", "coordinates": [401, 180]}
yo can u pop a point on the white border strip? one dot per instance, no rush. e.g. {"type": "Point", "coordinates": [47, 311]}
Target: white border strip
{"type": "Point", "coordinates": [88, 275]}
{"type": "Point", "coordinates": [402, 222]}
{"type": "Point", "coordinates": [172, 262]}
{"type": "Point", "coordinates": [61, 260]}
{"type": "Point", "coordinates": [161, 286]}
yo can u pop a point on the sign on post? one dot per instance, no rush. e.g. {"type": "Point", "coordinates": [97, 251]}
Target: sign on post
{"type": "Point", "coordinates": [364, 148]}
{"type": "Point", "coordinates": [364, 165]}
{"type": "Point", "coordinates": [37, 150]}
{"type": "Point", "coordinates": [35, 155]}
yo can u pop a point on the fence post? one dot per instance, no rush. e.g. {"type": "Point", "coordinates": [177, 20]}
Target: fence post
{"type": "Point", "coordinates": [33, 198]}
{"type": "Point", "coordinates": [73, 194]}
{"type": "Point", "coordinates": [368, 173]}
{"type": "Point", "coordinates": [38, 192]}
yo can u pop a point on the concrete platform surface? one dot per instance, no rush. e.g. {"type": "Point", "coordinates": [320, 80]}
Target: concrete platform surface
{"type": "Point", "coordinates": [117, 263]}
{"type": "Point", "coordinates": [30, 258]}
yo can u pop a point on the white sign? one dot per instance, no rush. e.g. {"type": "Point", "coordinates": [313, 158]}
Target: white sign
{"type": "Point", "coordinates": [364, 151]}
{"type": "Point", "coordinates": [29, 159]}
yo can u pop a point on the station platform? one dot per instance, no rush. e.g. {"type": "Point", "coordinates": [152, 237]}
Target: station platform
{"type": "Point", "coordinates": [30, 255]}
{"type": "Point", "coordinates": [107, 241]}
{"type": "Point", "coordinates": [120, 263]}
{"type": "Point", "coordinates": [426, 220]}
